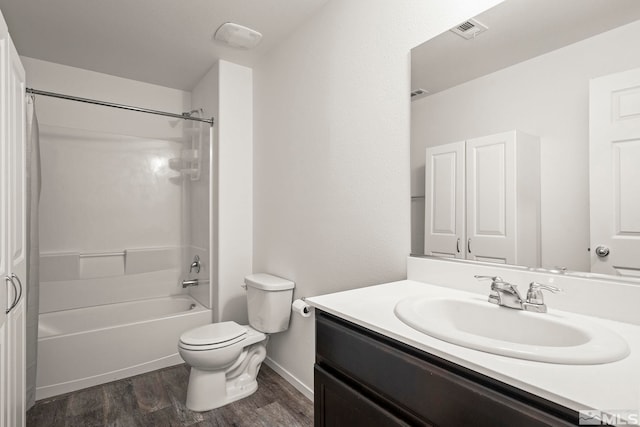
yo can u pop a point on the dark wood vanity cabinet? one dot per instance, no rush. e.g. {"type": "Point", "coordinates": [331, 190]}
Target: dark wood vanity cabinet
{"type": "Point", "coordinates": [366, 379]}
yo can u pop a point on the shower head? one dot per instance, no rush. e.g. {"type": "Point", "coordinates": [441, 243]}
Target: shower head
{"type": "Point", "coordinates": [198, 111]}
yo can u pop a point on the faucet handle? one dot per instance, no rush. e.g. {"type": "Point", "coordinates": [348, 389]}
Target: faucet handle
{"type": "Point", "coordinates": [536, 286]}
{"type": "Point", "coordinates": [494, 279]}
{"type": "Point", "coordinates": [195, 265]}
{"type": "Point", "coordinates": [534, 294]}
{"type": "Point", "coordinates": [498, 283]}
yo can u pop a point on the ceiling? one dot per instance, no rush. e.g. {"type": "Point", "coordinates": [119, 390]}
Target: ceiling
{"type": "Point", "coordinates": [165, 42]}
{"type": "Point", "coordinates": [518, 30]}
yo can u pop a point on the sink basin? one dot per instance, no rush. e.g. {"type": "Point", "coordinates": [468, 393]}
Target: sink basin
{"type": "Point", "coordinates": [480, 325]}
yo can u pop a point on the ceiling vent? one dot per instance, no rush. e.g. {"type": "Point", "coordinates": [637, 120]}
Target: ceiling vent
{"type": "Point", "coordinates": [470, 29]}
{"type": "Point", "coordinates": [418, 93]}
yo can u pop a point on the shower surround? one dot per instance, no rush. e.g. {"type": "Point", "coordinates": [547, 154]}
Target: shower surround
{"type": "Point", "coordinates": [116, 243]}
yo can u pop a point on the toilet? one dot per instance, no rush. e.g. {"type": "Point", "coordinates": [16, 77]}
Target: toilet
{"type": "Point", "coordinates": [225, 357]}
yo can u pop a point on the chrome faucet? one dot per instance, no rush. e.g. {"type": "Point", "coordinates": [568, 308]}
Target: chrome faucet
{"type": "Point", "coordinates": [503, 293]}
{"type": "Point", "coordinates": [188, 283]}
{"type": "Point", "coordinates": [506, 294]}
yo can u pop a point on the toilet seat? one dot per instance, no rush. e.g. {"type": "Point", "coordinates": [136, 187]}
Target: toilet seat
{"type": "Point", "coordinates": [212, 336]}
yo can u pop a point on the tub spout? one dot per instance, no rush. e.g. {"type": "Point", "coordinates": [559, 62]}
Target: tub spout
{"type": "Point", "coordinates": [188, 283]}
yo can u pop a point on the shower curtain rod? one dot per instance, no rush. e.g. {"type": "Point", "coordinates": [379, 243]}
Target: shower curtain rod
{"type": "Point", "coordinates": [183, 116]}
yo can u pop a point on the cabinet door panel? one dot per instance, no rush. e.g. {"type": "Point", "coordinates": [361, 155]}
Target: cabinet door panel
{"type": "Point", "coordinates": [4, 372]}
{"type": "Point", "coordinates": [444, 201]}
{"type": "Point", "coordinates": [4, 176]}
{"type": "Point", "coordinates": [14, 132]}
{"type": "Point", "coordinates": [337, 404]}
{"type": "Point", "coordinates": [491, 208]}
{"type": "Point", "coordinates": [17, 368]}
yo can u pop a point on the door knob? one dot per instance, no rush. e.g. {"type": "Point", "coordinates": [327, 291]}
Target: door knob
{"type": "Point", "coordinates": [602, 251]}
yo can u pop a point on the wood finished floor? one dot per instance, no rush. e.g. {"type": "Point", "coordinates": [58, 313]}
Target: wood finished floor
{"type": "Point", "coordinates": [157, 399]}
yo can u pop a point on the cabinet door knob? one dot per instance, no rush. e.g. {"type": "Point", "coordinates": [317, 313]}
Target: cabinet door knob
{"type": "Point", "coordinates": [458, 245]}
{"type": "Point", "coordinates": [469, 245]}
{"type": "Point", "coordinates": [16, 297]}
{"type": "Point", "coordinates": [15, 276]}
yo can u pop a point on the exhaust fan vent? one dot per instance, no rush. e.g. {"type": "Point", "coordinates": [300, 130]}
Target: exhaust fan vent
{"type": "Point", "coordinates": [470, 29]}
{"type": "Point", "coordinates": [418, 93]}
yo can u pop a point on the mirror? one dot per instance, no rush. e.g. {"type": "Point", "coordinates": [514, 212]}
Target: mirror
{"type": "Point", "coordinates": [530, 71]}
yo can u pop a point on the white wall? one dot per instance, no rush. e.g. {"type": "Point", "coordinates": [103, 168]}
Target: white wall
{"type": "Point", "coordinates": [235, 198]}
{"type": "Point", "coordinates": [546, 96]}
{"type": "Point", "coordinates": [331, 153]}
{"type": "Point", "coordinates": [226, 92]}
{"type": "Point", "coordinates": [99, 187]}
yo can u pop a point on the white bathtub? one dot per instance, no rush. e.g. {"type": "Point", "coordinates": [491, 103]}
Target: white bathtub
{"type": "Point", "coordinates": [89, 346]}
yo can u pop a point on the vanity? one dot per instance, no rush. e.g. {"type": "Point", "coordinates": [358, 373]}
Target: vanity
{"type": "Point", "coordinates": [395, 384]}
{"type": "Point", "coordinates": [372, 368]}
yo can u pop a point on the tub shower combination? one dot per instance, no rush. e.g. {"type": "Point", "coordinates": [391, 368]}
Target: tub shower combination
{"type": "Point", "coordinates": [118, 234]}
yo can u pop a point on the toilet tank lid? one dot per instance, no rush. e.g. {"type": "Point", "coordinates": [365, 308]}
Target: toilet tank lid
{"type": "Point", "coordinates": [268, 282]}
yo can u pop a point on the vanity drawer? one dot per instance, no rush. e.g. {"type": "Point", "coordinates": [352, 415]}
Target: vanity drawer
{"type": "Point", "coordinates": [413, 386]}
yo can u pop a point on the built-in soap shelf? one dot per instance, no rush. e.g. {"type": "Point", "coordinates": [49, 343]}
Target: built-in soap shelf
{"type": "Point", "coordinates": [60, 266]}
{"type": "Point", "coordinates": [187, 164]}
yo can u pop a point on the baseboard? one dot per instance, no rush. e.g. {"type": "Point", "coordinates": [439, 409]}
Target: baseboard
{"type": "Point", "coordinates": [290, 378]}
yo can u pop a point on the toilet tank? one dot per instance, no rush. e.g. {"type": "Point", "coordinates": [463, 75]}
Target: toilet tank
{"type": "Point", "coordinates": [269, 302]}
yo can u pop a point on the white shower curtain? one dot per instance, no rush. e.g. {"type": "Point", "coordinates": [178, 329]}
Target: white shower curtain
{"type": "Point", "coordinates": [33, 255]}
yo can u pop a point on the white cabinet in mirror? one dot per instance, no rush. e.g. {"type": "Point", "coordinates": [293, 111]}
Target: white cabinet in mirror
{"type": "Point", "coordinates": [535, 69]}
{"type": "Point", "coordinates": [482, 197]}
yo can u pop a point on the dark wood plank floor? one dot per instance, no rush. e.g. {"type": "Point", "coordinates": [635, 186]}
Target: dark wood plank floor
{"type": "Point", "coordinates": [157, 399]}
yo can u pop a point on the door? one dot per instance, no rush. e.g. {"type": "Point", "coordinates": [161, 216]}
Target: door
{"type": "Point", "coordinates": [4, 241]}
{"type": "Point", "coordinates": [16, 130]}
{"type": "Point", "coordinates": [491, 204]}
{"type": "Point", "coordinates": [614, 173]}
{"type": "Point", "coordinates": [444, 201]}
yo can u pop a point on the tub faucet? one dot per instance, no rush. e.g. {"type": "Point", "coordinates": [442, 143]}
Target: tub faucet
{"type": "Point", "coordinates": [195, 265]}
{"type": "Point", "coordinates": [188, 283]}
{"type": "Point", "coordinates": [506, 294]}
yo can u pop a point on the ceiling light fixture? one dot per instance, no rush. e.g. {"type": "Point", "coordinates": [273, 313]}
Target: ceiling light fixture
{"type": "Point", "coordinates": [237, 36]}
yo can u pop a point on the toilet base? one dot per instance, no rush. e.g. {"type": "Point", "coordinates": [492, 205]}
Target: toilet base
{"type": "Point", "coordinates": [209, 390]}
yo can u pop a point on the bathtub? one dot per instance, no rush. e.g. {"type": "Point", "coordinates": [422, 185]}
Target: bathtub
{"type": "Point", "coordinates": [84, 347]}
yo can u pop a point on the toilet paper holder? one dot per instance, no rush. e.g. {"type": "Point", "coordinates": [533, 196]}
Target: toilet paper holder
{"type": "Point", "coordinates": [309, 307]}
{"type": "Point", "coordinates": [301, 307]}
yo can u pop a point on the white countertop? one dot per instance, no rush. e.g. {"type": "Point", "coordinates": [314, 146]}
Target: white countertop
{"type": "Point", "coordinates": [606, 387]}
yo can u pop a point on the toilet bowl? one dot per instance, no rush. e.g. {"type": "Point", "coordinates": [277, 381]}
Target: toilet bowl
{"type": "Point", "coordinates": [225, 357]}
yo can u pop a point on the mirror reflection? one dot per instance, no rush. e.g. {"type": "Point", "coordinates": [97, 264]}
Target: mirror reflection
{"type": "Point", "coordinates": [525, 137]}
